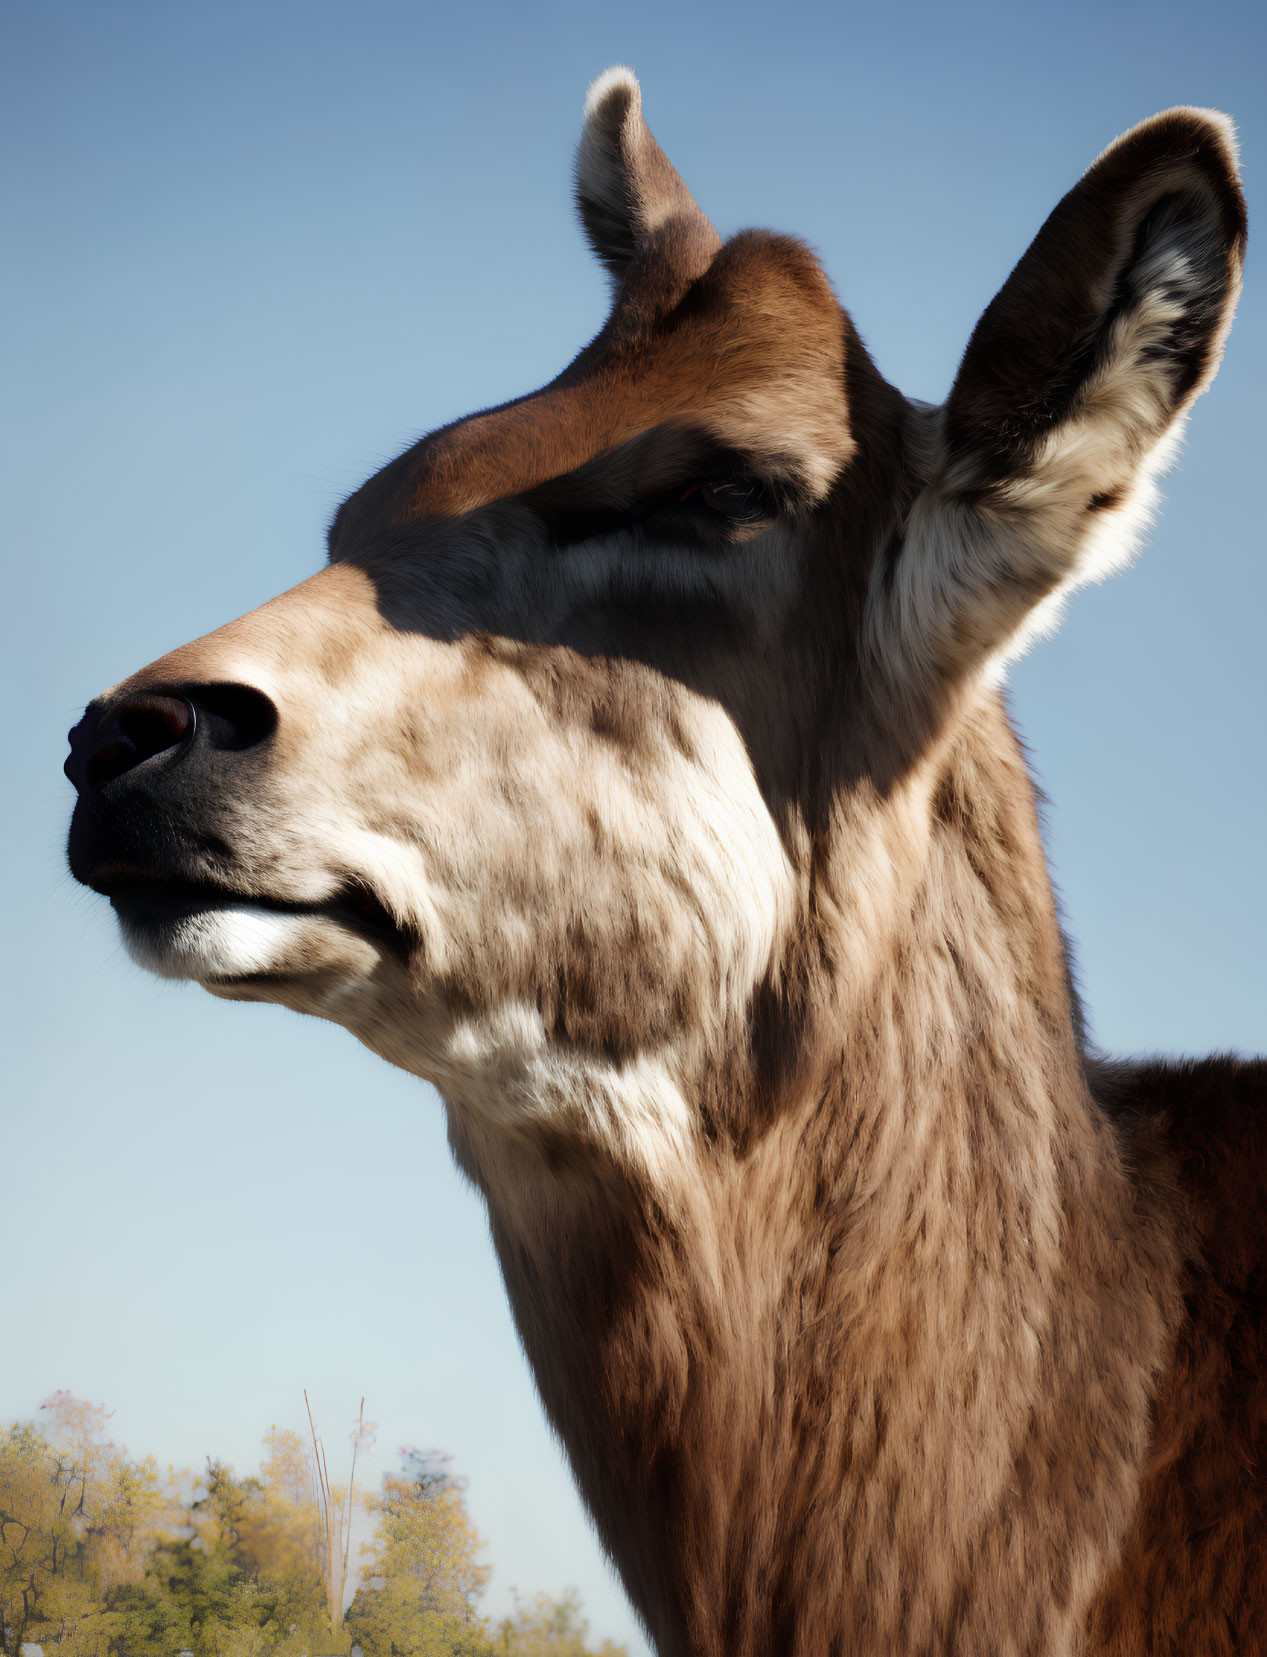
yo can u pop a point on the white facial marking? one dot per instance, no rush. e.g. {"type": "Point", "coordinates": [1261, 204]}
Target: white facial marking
{"type": "Point", "coordinates": [504, 1068]}
{"type": "Point", "coordinates": [216, 943]}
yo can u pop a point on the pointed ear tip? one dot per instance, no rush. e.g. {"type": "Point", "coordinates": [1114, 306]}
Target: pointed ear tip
{"type": "Point", "coordinates": [1223, 126]}
{"type": "Point", "coordinates": [1207, 121]}
{"type": "Point", "coordinates": [1207, 124]}
{"type": "Point", "coordinates": [611, 96]}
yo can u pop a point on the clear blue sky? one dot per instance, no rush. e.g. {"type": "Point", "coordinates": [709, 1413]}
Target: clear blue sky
{"type": "Point", "coordinates": [253, 249]}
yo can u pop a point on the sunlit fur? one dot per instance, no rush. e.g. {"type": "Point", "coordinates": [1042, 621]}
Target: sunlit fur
{"type": "Point", "coordinates": [636, 772]}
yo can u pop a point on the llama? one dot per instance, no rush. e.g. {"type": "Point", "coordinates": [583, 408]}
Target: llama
{"type": "Point", "coordinates": [636, 770]}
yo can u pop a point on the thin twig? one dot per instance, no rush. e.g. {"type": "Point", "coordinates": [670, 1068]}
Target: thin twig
{"type": "Point", "coordinates": [356, 1445]}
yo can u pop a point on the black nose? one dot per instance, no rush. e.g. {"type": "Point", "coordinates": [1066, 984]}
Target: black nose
{"type": "Point", "coordinates": [132, 731]}
{"type": "Point", "coordinates": [111, 741]}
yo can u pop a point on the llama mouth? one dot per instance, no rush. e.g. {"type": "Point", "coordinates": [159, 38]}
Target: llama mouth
{"type": "Point", "coordinates": [161, 918]}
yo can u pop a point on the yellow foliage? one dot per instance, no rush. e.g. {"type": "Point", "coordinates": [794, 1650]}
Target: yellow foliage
{"type": "Point", "coordinates": [100, 1556]}
{"type": "Point", "coordinates": [550, 1628]}
{"type": "Point", "coordinates": [279, 1534]}
{"type": "Point", "coordinates": [425, 1546]}
{"type": "Point", "coordinates": [286, 1470]}
{"type": "Point", "coordinates": [421, 1577]}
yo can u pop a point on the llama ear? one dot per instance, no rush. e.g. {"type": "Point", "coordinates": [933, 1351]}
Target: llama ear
{"type": "Point", "coordinates": [633, 204]}
{"type": "Point", "coordinates": [1111, 324]}
{"type": "Point", "coordinates": [1069, 396]}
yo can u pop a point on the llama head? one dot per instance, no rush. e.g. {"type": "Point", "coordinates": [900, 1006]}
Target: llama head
{"type": "Point", "coordinates": [616, 705]}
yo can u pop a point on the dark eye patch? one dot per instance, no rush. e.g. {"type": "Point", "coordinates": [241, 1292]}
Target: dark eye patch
{"type": "Point", "coordinates": [719, 496]}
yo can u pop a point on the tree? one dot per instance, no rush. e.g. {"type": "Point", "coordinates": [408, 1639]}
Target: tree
{"type": "Point", "coordinates": [116, 1506]}
{"type": "Point", "coordinates": [35, 1533]}
{"type": "Point", "coordinates": [266, 1558]}
{"type": "Point", "coordinates": [100, 1557]}
{"type": "Point", "coordinates": [422, 1579]}
{"type": "Point", "coordinates": [280, 1533]}
{"type": "Point", "coordinates": [77, 1518]}
{"type": "Point", "coordinates": [550, 1628]}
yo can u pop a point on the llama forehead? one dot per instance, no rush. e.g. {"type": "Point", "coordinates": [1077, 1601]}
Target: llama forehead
{"type": "Point", "coordinates": [751, 357]}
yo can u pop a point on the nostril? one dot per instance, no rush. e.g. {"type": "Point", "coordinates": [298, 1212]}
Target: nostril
{"type": "Point", "coordinates": [136, 730]}
{"type": "Point", "coordinates": [233, 715]}
{"type": "Point", "coordinates": [154, 723]}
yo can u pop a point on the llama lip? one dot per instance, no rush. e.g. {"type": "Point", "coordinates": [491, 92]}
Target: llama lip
{"type": "Point", "coordinates": [152, 904]}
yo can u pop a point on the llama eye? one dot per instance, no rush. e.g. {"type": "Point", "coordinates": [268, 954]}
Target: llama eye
{"type": "Point", "coordinates": [741, 500]}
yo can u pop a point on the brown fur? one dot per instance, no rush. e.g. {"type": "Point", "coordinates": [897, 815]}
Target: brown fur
{"type": "Point", "coordinates": [692, 855]}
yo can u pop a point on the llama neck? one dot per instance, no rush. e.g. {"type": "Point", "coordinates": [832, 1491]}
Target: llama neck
{"type": "Point", "coordinates": [833, 1367]}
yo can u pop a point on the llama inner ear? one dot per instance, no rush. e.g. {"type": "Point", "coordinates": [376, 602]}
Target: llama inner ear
{"type": "Point", "coordinates": [1115, 318]}
{"type": "Point", "coordinates": [633, 203]}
